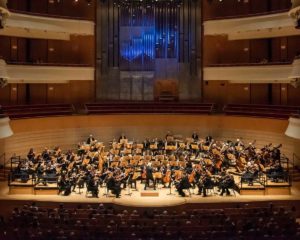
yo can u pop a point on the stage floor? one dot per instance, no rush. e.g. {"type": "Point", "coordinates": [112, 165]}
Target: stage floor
{"type": "Point", "coordinates": [136, 200]}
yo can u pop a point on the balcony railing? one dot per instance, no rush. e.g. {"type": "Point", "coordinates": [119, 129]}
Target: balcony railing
{"type": "Point", "coordinates": [248, 64]}
{"type": "Point", "coordinates": [248, 15]}
{"type": "Point", "coordinates": [152, 107]}
{"type": "Point", "coordinates": [48, 15]}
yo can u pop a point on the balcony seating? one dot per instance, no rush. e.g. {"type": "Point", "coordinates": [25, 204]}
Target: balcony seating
{"type": "Point", "coordinates": [38, 110]}
{"type": "Point", "coordinates": [149, 107]}
{"type": "Point", "coordinates": [256, 110]}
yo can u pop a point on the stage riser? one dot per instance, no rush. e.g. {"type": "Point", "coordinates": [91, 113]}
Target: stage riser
{"type": "Point", "coordinates": [278, 191]}
{"type": "Point", "coordinates": [21, 190]}
{"type": "Point", "coordinates": [45, 191]}
{"type": "Point", "coordinates": [252, 192]}
{"type": "Point", "coordinates": [267, 191]}
{"type": "Point", "coordinates": [149, 194]}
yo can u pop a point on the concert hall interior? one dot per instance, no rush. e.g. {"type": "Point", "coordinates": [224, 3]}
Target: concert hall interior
{"type": "Point", "coordinates": [149, 119]}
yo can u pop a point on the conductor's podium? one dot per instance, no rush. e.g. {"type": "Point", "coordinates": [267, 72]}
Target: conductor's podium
{"type": "Point", "coordinates": [149, 193]}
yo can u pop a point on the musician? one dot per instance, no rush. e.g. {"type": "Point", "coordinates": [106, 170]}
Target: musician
{"type": "Point", "coordinates": [23, 170]}
{"type": "Point", "coordinates": [195, 136]}
{"type": "Point", "coordinates": [238, 143]}
{"type": "Point", "coordinates": [90, 139]}
{"type": "Point", "coordinates": [149, 176]}
{"type": "Point", "coordinates": [64, 185]}
{"type": "Point", "coordinates": [169, 135]}
{"type": "Point", "coordinates": [208, 140]}
{"type": "Point", "coordinates": [160, 144]}
{"type": "Point", "coordinates": [189, 167]}
{"type": "Point", "coordinates": [183, 184]}
{"type": "Point", "coordinates": [122, 137]}
{"type": "Point", "coordinates": [276, 154]}
{"type": "Point", "coordinates": [146, 144]}
{"type": "Point", "coordinates": [205, 182]}
{"type": "Point", "coordinates": [226, 182]}
{"type": "Point", "coordinates": [92, 186]}
{"type": "Point", "coordinates": [276, 171]}
{"type": "Point", "coordinates": [31, 154]}
{"type": "Point", "coordinates": [46, 154]}
{"type": "Point", "coordinates": [251, 173]}
{"type": "Point", "coordinates": [113, 185]}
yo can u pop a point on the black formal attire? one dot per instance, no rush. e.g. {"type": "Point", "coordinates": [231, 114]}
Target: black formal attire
{"type": "Point", "coordinates": [149, 176]}
{"type": "Point", "coordinates": [183, 184]}
{"type": "Point", "coordinates": [114, 186]}
{"type": "Point", "coordinates": [195, 136]}
{"type": "Point", "coordinates": [93, 187]}
{"type": "Point", "coordinates": [204, 184]}
{"type": "Point", "coordinates": [90, 140]}
{"type": "Point", "coordinates": [226, 183]}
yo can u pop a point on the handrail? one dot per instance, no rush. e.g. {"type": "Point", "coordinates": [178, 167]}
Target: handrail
{"type": "Point", "coordinates": [248, 15]}
{"type": "Point", "coordinates": [49, 15]}
{"type": "Point", "coordinates": [247, 64]}
{"type": "Point", "coordinates": [50, 64]}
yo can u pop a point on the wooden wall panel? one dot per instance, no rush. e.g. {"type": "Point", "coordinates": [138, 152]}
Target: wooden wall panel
{"type": "Point", "coordinates": [211, 50]}
{"type": "Point", "coordinates": [38, 50]}
{"type": "Point", "coordinates": [293, 96]}
{"type": "Point", "coordinates": [276, 92]}
{"type": "Point", "coordinates": [258, 50]}
{"type": "Point", "coordinates": [58, 93]}
{"type": "Point", "coordinates": [215, 8]}
{"type": "Point", "coordinates": [280, 4]}
{"type": "Point", "coordinates": [21, 88]}
{"type": "Point", "coordinates": [236, 52]}
{"type": "Point", "coordinates": [222, 92]}
{"type": "Point", "coordinates": [79, 9]}
{"type": "Point", "coordinates": [284, 94]}
{"type": "Point", "coordinates": [22, 50]}
{"type": "Point", "coordinates": [55, 51]}
{"type": "Point", "coordinates": [38, 93]}
{"type": "Point", "coordinates": [39, 6]}
{"type": "Point", "coordinates": [13, 93]}
{"type": "Point", "coordinates": [238, 93]}
{"type": "Point", "coordinates": [86, 50]}
{"type": "Point", "coordinates": [258, 6]}
{"type": "Point", "coordinates": [68, 131]}
{"type": "Point", "coordinates": [259, 94]}
{"type": "Point", "coordinates": [279, 49]}
{"type": "Point", "coordinates": [4, 47]}
{"type": "Point", "coordinates": [81, 91]}
{"type": "Point", "coordinates": [21, 5]}
{"type": "Point", "coordinates": [293, 44]}
{"type": "Point", "coordinates": [215, 91]}
{"type": "Point", "coordinates": [13, 49]}
{"type": "Point", "coordinates": [5, 95]}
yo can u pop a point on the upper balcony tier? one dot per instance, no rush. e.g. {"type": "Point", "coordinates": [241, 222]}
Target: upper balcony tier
{"type": "Point", "coordinates": [253, 27]}
{"type": "Point", "coordinates": [22, 24]}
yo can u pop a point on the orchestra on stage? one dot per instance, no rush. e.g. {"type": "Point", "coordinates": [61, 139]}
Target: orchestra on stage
{"type": "Point", "coordinates": [190, 163]}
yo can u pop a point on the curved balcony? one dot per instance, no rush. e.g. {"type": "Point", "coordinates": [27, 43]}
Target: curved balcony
{"type": "Point", "coordinates": [19, 72]}
{"type": "Point", "coordinates": [249, 73]}
{"type": "Point", "coordinates": [22, 24]}
{"type": "Point", "coordinates": [294, 13]}
{"type": "Point", "coordinates": [253, 27]}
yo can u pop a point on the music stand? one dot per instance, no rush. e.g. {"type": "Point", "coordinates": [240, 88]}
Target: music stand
{"type": "Point", "coordinates": [170, 193]}
{"type": "Point", "coordinates": [129, 193]}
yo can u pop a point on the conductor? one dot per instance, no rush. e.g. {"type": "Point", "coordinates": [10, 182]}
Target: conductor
{"type": "Point", "coordinates": [149, 176]}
